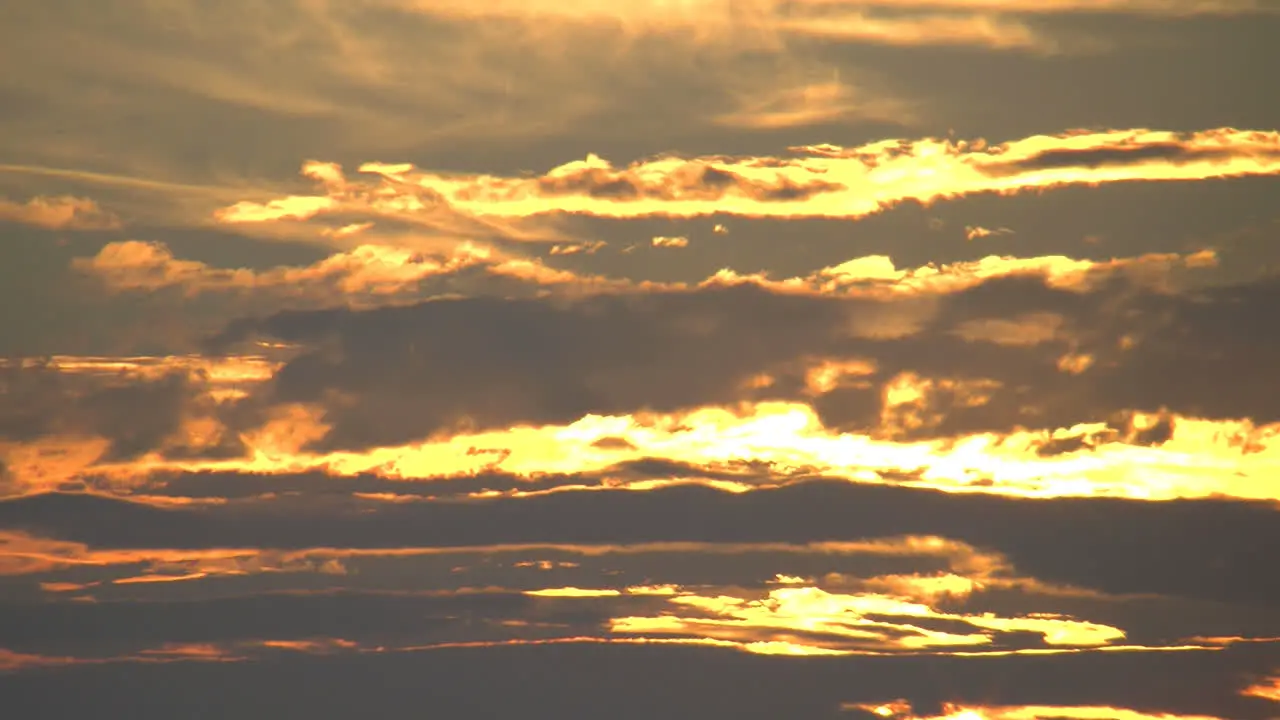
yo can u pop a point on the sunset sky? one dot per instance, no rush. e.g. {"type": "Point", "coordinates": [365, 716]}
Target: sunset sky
{"type": "Point", "coordinates": [605, 359]}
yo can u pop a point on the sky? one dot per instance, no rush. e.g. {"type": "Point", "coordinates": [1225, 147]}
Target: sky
{"type": "Point", "coordinates": [785, 359]}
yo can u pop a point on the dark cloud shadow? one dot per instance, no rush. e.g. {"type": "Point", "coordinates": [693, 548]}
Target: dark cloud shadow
{"type": "Point", "coordinates": [1207, 550]}
{"type": "Point", "coordinates": [633, 682]}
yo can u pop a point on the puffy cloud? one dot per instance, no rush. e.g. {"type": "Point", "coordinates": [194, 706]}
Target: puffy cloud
{"type": "Point", "coordinates": [63, 212]}
{"type": "Point", "coordinates": [558, 359]}
{"type": "Point", "coordinates": [367, 275]}
{"type": "Point", "coordinates": [1268, 689]}
{"type": "Point", "coordinates": [63, 414]}
{"type": "Point", "coordinates": [817, 181]}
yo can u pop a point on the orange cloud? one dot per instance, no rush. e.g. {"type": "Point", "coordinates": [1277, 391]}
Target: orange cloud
{"type": "Point", "coordinates": [316, 646]}
{"type": "Point", "coordinates": [813, 618]}
{"type": "Point", "coordinates": [61, 587]}
{"type": "Point", "coordinates": [1201, 458]}
{"type": "Point", "coordinates": [817, 181]}
{"type": "Point", "coordinates": [809, 103]}
{"type": "Point", "coordinates": [1022, 330]}
{"type": "Point", "coordinates": [1268, 689]}
{"type": "Point", "coordinates": [759, 22]}
{"type": "Point", "coordinates": [372, 269]}
{"type": "Point", "coordinates": [663, 241]}
{"type": "Point", "coordinates": [973, 232]}
{"type": "Point", "coordinates": [224, 371]}
{"type": "Point", "coordinates": [58, 460]}
{"type": "Point", "coordinates": [1154, 7]}
{"type": "Point", "coordinates": [902, 710]}
{"type": "Point", "coordinates": [63, 212]}
{"type": "Point", "coordinates": [378, 272]}
{"type": "Point", "coordinates": [877, 276]}
{"type": "Point", "coordinates": [853, 24]}
{"type": "Point", "coordinates": [24, 554]}
{"type": "Point", "coordinates": [371, 275]}
{"type": "Point", "coordinates": [572, 592]}
{"type": "Point", "coordinates": [587, 248]}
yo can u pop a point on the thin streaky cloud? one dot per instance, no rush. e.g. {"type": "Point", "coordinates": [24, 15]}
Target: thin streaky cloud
{"type": "Point", "coordinates": [765, 23]}
{"type": "Point", "coordinates": [812, 103]}
{"type": "Point", "coordinates": [1174, 8]}
{"type": "Point", "coordinates": [380, 274]}
{"type": "Point", "coordinates": [902, 710]}
{"type": "Point", "coordinates": [656, 15]}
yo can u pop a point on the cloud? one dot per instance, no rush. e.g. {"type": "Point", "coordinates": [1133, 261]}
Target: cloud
{"type": "Point", "coordinates": [1268, 689]}
{"type": "Point", "coordinates": [909, 372]}
{"type": "Point", "coordinates": [599, 678]}
{"type": "Point", "coordinates": [59, 213]}
{"type": "Point", "coordinates": [1155, 7]}
{"type": "Point", "coordinates": [973, 232]}
{"type": "Point", "coordinates": [813, 103]}
{"type": "Point", "coordinates": [659, 13]}
{"type": "Point", "coordinates": [616, 353]}
{"type": "Point", "coordinates": [812, 618]}
{"type": "Point", "coordinates": [663, 241]}
{"type": "Point", "coordinates": [887, 595]}
{"type": "Point", "coordinates": [1146, 548]}
{"type": "Point", "coordinates": [63, 414]}
{"type": "Point", "coordinates": [767, 21]}
{"type": "Point", "coordinates": [818, 181]}
{"type": "Point", "coordinates": [367, 275]}
{"type": "Point", "coordinates": [856, 25]}
{"type": "Point", "coordinates": [902, 711]}
{"type": "Point", "coordinates": [587, 248]}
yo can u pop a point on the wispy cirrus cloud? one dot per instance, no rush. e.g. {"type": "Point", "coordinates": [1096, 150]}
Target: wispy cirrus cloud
{"type": "Point", "coordinates": [1156, 7]}
{"type": "Point", "coordinates": [769, 22]}
{"type": "Point", "coordinates": [658, 12]}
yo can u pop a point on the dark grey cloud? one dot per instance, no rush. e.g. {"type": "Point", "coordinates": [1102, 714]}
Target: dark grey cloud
{"type": "Point", "coordinates": [404, 373]}
{"type": "Point", "coordinates": [488, 362]}
{"type": "Point", "coordinates": [699, 183]}
{"type": "Point", "coordinates": [134, 414]}
{"type": "Point", "coordinates": [621, 682]}
{"type": "Point", "coordinates": [1193, 549]}
{"type": "Point", "coordinates": [107, 629]}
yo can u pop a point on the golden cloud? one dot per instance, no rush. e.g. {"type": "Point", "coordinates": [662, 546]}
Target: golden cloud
{"type": "Point", "coordinates": [787, 105]}
{"type": "Point", "coordinates": [902, 710]}
{"type": "Point", "coordinates": [663, 241]}
{"type": "Point", "coordinates": [379, 273]}
{"type": "Point", "coordinates": [62, 212]}
{"type": "Point", "coordinates": [762, 22]}
{"type": "Point", "coordinates": [973, 232]}
{"type": "Point", "coordinates": [1268, 689]}
{"type": "Point", "coordinates": [1200, 459]}
{"type": "Point", "coordinates": [813, 618]}
{"type": "Point", "coordinates": [818, 181]}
